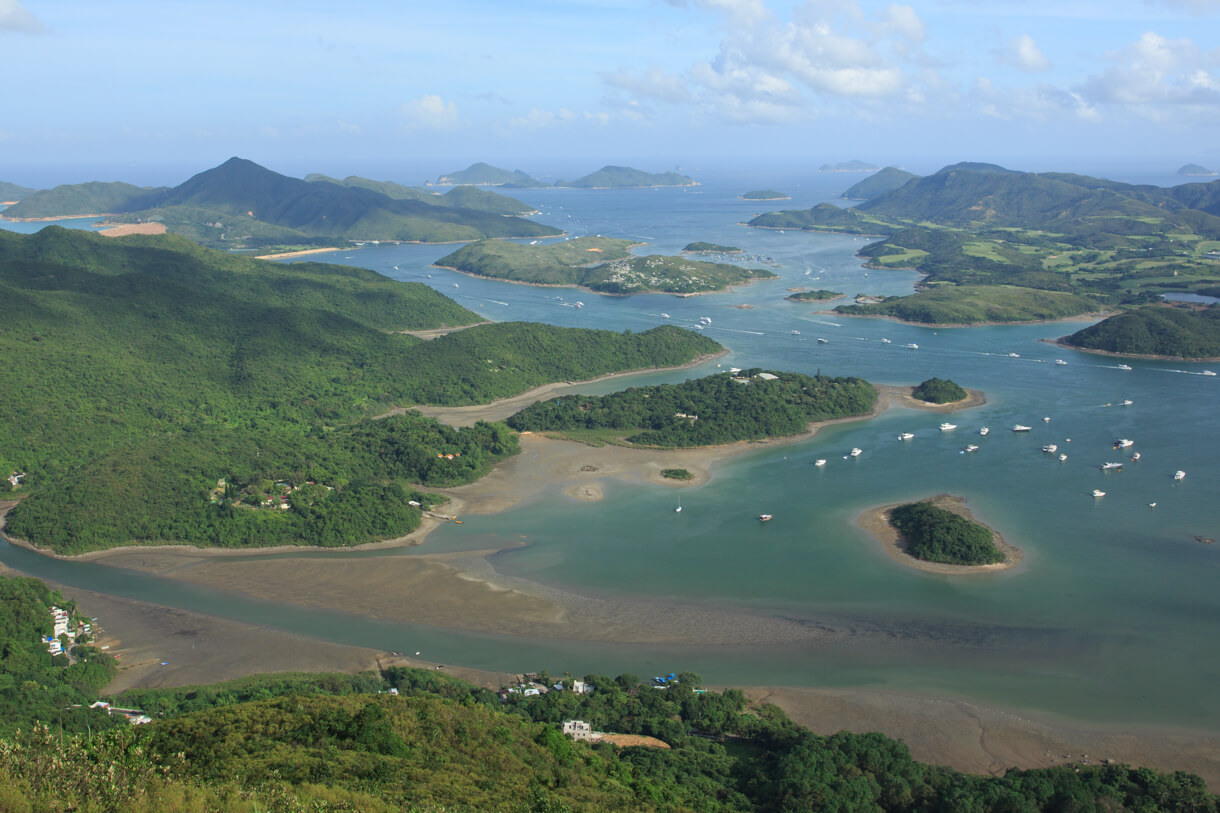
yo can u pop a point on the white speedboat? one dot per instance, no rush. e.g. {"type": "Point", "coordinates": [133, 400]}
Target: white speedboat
{"type": "Point", "coordinates": [1061, 362]}
{"type": "Point", "coordinates": [455, 285]}
{"type": "Point", "coordinates": [1020, 427]}
{"type": "Point", "coordinates": [1179, 474]}
{"type": "Point", "coordinates": [764, 517]}
{"type": "Point", "coordinates": [984, 431]}
{"type": "Point", "coordinates": [1207, 372]}
{"type": "Point", "coordinates": [665, 316]}
{"type": "Point", "coordinates": [1123, 443]}
{"type": "Point", "coordinates": [973, 447]}
{"type": "Point", "coordinates": [1014, 355]}
{"type": "Point", "coordinates": [906, 436]}
{"type": "Point", "coordinates": [821, 461]}
{"type": "Point", "coordinates": [947, 427]}
{"type": "Point", "coordinates": [1126, 402]}
{"type": "Point", "coordinates": [1062, 457]}
{"type": "Point", "coordinates": [1124, 366]}
{"type": "Point", "coordinates": [1046, 419]}
{"type": "Point", "coordinates": [1097, 492]}
{"type": "Point", "coordinates": [885, 341]}
{"type": "Point", "coordinates": [1135, 456]}
{"type": "Point", "coordinates": [1110, 466]}
{"type": "Point", "coordinates": [856, 452]}
{"type": "Point", "coordinates": [913, 346]}
{"type": "Point", "coordinates": [1050, 448]}
{"type": "Point", "coordinates": [822, 341]}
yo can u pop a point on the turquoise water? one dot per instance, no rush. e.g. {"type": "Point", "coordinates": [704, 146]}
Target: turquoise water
{"type": "Point", "coordinates": [1112, 615]}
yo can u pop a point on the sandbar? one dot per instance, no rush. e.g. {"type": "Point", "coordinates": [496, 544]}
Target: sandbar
{"type": "Point", "coordinates": [302, 253]}
{"type": "Point", "coordinates": [132, 228]}
{"type": "Point", "coordinates": [877, 522]}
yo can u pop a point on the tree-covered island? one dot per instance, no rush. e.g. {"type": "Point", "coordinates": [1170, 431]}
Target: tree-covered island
{"type": "Point", "coordinates": [996, 245]}
{"type": "Point", "coordinates": [935, 534]}
{"type": "Point", "coordinates": [160, 392]}
{"type": "Point", "coordinates": [747, 405]}
{"type": "Point", "coordinates": [700, 247]}
{"type": "Point", "coordinates": [1174, 331]}
{"type": "Point", "coordinates": [765, 194]}
{"type": "Point", "coordinates": [820, 295]}
{"type": "Point", "coordinates": [601, 264]}
{"type": "Point", "coordinates": [939, 391]}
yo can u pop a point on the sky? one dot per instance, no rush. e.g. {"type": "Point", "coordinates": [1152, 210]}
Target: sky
{"type": "Point", "coordinates": [151, 93]}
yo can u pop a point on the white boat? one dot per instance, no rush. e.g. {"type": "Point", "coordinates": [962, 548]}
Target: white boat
{"type": "Point", "coordinates": [947, 427]}
{"type": "Point", "coordinates": [885, 341]}
{"type": "Point", "coordinates": [579, 305]}
{"type": "Point", "coordinates": [856, 452]}
{"type": "Point", "coordinates": [1135, 456]}
{"type": "Point", "coordinates": [1124, 366]}
{"type": "Point", "coordinates": [1110, 466]}
{"type": "Point", "coordinates": [822, 341]}
{"type": "Point", "coordinates": [1014, 355]}
{"type": "Point", "coordinates": [678, 510]}
{"type": "Point", "coordinates": [764, 517]}
{"type": "Point", "coordinates": [1097, 492]}
{"type": "Point", "coordinates": [983, 431]}
{"type": "Point", "coordinates": [1050, 448]}
{"type": "Point", "coordinates": [912, 345]}
{"type": "Point", "coordinates": [821, 461]}
{"type": "Point", "coordinates": [705, 320]}
{"type": "Point", "coordinates": [1207, 372]}
{"type": "Point", "coordinates": [796, 333]}
{"type": "Point", "coordinates": [1179, 474]}
{"type": "Point", "coordinates": [1018, 427]}
{"type": "Point", "coordinates": [1126, 402]}
{"type": "Point", "coordinates": [1152, 505]}
{"type": "Point", "coordinates": [906, 436]}
{"type": "Point", "coordinates": [1061, 362]}
{"type": "Point", "coordinates": [973, 447]}
{"type": "Point", "coordinates": [1046, 420]}
{"type": "Point", "coordinates": [1062, 457]}
{"type": "Point", "coordinates": [1123, 443]}
{"type": "Point", "coordinates": [455, 285]}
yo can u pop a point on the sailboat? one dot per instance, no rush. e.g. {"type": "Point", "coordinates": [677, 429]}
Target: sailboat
{"type": "Point", "coordinates": [678, 510]}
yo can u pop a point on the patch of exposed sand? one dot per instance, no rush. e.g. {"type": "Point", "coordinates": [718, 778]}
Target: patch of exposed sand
{"type": "Point", "coordinates": [133, 228]}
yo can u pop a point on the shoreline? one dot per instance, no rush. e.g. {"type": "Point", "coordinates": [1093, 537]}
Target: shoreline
{"type": "Point", "coordinates": [876, 521]}
{"type": "Point", "coordinates": [1082, 317]}
{"type": "Point", "coordinates": [1114, 354]}
{"type": "Point", "coordinates": [302, 253]}
{"type": "Point", "coordinates": [55, 217]}
{"type": "Point", "coordinates": [595, 292]}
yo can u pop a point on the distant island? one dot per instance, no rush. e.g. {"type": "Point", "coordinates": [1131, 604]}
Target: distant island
{"type": "Point", "coordinates": [482, 174]}
{"type": "Point", "coordinates": [999, 245]}
{"type": "Point", "coordinates": [1196, 170]}
{"type": "Point", "coordinates": [601, 264]}
{"type": "Point", "coordinates": [1169, 331]}
{"type": "Point", "coordinates": [460, 197]}
{"type": "Point", "coordinates": [765, 194]}
{"type": "Point", "coordinates": [710, 248]}
{"type": "Point", "coordinates": [820, 295]}
{"type": "Point", "coordinates": [612, 177]}
{"type": "Point", "coordinates": [849, 166]}
{"type": "Point", "coordinates": [746, 405]}
{"type": "Point", "coordinates": [241, 205]}
{"type": "Point", "coordinates": [887, 180]}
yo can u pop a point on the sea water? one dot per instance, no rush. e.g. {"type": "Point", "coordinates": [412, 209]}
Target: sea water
{"type": "Point", "coordinates": [1112, 615]}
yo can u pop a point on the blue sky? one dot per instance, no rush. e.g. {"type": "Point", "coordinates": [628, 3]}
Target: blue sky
{"type": "Point", "coordinates": [151, 92]}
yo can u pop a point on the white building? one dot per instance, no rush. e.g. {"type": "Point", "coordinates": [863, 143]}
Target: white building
{"type": "Point", "coordinates": [578, 730]}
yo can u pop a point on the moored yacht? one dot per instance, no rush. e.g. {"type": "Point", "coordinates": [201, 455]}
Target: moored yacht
{"type": "Point", "coordinates": [1050, 448]}
{"type": "Point", "coordinates": [984, 430]}
{"type": "Point", "coordinates": [1179, 474]}
{"type": "Point", "coordinates": [821, 461]}
{"type": "Point", "coordinates": [1097, 492]}
{"type": "Point", "coordinates": [1061, 362]}
{"type": "Point", "coordinates": [973, 447]}
{"type": "Point", "coordinates": [856, 452]}
{"type": "Point", "coordinates": [1110, 466]}
{"type": "Point", "coordinates": [1062, 457]}
{"type": "Point", "coordinates": [947, 427]}
{"type": "Point", "coordinates": [1020, 427]}
{"type": "Point", "coordinates": [906, 436]}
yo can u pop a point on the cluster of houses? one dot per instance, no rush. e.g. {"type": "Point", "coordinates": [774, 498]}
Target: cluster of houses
{"type": "Point", "coordinates": [63, 627]}
{"type": "Point", "coordinates": [134, 716]}
{"type": "Point", "coordinates": [530, 685]}
{"type": "Point", "coordinates": [279, 498]}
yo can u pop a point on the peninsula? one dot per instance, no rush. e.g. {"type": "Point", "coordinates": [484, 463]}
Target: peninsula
{"type": "Point", "coordinates": [601, 264]}
{"type": "Point", "coordinates": [1181, 331]}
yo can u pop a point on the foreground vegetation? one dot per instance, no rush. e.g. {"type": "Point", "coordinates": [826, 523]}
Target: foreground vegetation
{"type": "Point", "coordinates": [722, 408]}
{"type": "Point", "coordinates": [601, 264]}
{"type": "Point", "coordinates": [939, 391]}
{"type": "Point", "coordinates": [1156, 330]}
{"type": "Point", "coordinates": [141, 371]}
{"type": "Point", "coordinates": [327, 742]}
{"type": "Point", "coordinates": [937, 534]}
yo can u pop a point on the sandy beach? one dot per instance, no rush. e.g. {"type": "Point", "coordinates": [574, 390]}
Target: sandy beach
{"type": "Point", "coordinates": [877, 522]}
{"type": "Point", "coordinates": [305, 252]}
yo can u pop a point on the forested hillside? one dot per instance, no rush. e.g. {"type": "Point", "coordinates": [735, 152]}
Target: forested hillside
{"type": "Point", "coordinates": [1156, 330]}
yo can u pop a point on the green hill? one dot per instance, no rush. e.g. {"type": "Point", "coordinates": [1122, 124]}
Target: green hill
{"type": "Point", "coordinates": [1194, 169]}
{"type": "Point", "coordinates": [823, 217]}
{"type": "Point", "coordinates": [92, 198]}
{"type": "Point", "coordinates": [461, 197]}
{"type": "Point", "coordinates": [887, 180]}
{"type": "Point", "coordinates": [611, 177]}
{"type": "Point", "coordinates": [975, 304]}
{"type": "Point", "coordinates": [388, 188]}
{"type": "Point", "coordinates": [481, 174]}
{"type": "Point", "coordinates": [1155, 330]}
{"type": "Point", "coordinates": [601, 264]}
{"type": "Point", "coordinates": [141, 370]}
{"type": "Point", "coordinates": [11, 191]}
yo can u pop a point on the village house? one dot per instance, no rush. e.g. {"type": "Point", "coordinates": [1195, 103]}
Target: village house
{"type": "Point", "coordinates": [578, 730]}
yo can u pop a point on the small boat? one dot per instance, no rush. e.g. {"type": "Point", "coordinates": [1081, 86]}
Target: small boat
{"type": "Point", "coordinates": [395, 268]}
{"type": "Point", "coordinates": [455, 285]}
{"type": "Point", "coordinates": [1179, 474]}
{"type": "Point", "coordinates": [1050, 448]}
{"type": "Point", "coordinates": [1207, 372]}
{"type": "Point", "coordinates": [1135, 456]}
{"type": "Point", "coordinates": [856, 452]}
{"type": "Point", "coordinates": [764, 517]}
{"type": "Point", "coordinates": [1014, 355]}
{"type": "Point", "coordinates": [821, 461]}
{"type": "Point", "coordinates": [1124, 366]}
{"type": "Point", "coordinates": [906, 436]}
{"type": "Point", "coordinates": [1062, 457]}
{"type": "Point", "coordinates": [1152, 505]}
{"type": "Point", "coordinates": [1046, 420]}
{"type": "Point", "coordinates": [822, 341]}
{"type": "Point", "coordinates": [1097, 492]}
{"type": "Point", "coordinates": [983, 431]}
{"type": "Point", "coordinates": [1110, 466]}
{"type": "Point", "coordinates": [973, 447]}
{"type": "Point", "coordinates": [1061, 362]}
{"type": "Point", "coordinates": [796, 333]}
{"type": "Point", "coordinates": [579, 305]}
{"type": "Point", "coordinates": [429, 276]}
{"type": "Point", "coordinates": [1019, 427]}
{"type": "Point", "coordinates": [947, 427]}
{"type": "Point", "coordinates": [665, 316]}
{"type": "Point", "coordinates": [1126, 402]}
{"type": "Point", "coordinates": [912, 345]}
{"type": "Point", "coordinates": [678, 510]}
{"type": "Point", "coordinates": [1123, 443]}
{"type": "Point", "coordinates": [885, 341]}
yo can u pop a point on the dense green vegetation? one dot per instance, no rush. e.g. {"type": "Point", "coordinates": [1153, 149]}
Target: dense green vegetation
{"type": "Point", "coordinates": [936, 534]}
{"type": "Point", "coordinates": [765, 194]}
{"type": "Point", "coordinates": [1155, 330]}
{"type": "Point", "coordinates": [11, 191]}
{"type": "Point", "coordinates": [611, 177]}
{"type": "Point", "coordinates": [462, 197]}
{"type": "Point", "coordinates": [823, 217]}
{"type": "Point", "coordinates": [339, 742]}
{"type": "Point", "coordinates": [820, 295]}
{"type": "Point", "coordinates": [700, 247]}
{"type": "Point", "coordinates": [486, 175]}
{"type": "Point", "coordinates": [721, 408]}
{"type": "Point", "coordinates": [975, 304]}
{"type": "Point", "coordinates": [240, 204]}
{"type": "Point", "coordinates": [35, 685]}
{"type": "Point", "coordinates": [601, 264]}
{"type": "Point", "coordinates": [939, 391]}
{"type": "Point", "coordinates": [677, 474]}
{"type": "Point", "coordinates": [140, 371]}
{"type": "Point", "coordinates": [887, 180]}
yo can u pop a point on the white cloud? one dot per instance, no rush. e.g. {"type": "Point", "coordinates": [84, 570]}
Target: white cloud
{"type": "Point", "coordinates": [653, 83]}
{"type": "Point", "coordinates": [430, 112]}
{"type": "Point", "coordinates": [15, 17]}
{"type": "Point", "coordinates": [1155, 73]}
{"type": "Point", "coordinates": [749, 12]}
{"type": "Point", "coordinates": [903, 21]}
{"type": "Point", "coordinates": [1025, 54]}
{"type": "Point", "coordinates": [538, 119]}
